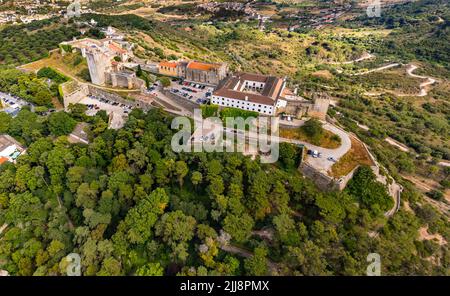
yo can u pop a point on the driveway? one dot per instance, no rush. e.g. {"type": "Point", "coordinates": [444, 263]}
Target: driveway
{"type": "Point", "coordinates": [321, 163]}
{"type": "Point", "coordinates": [118, 112]}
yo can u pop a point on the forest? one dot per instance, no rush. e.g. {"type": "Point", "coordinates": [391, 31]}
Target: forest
{"type": "Point", "coordinates": [130, 206]}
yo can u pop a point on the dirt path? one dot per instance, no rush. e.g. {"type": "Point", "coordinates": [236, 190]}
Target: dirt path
{"type": "Point", "coordinates": [3, 227]}
{"type": "Point", "coordinates": [264, 234]}
{"type": "Point", "coordinates": [397, 144]}
{"type": "Point", "coordinates": [364, 56]}
{"type": "Point", "coordinates": [376, 69]}
{"type": "Point", "coordinates": [423, 86]}
{"type": "Point", "coordinates": [57, 104]}
{"type": "Point", "coordinates": [441, 206]}
{"type": "Point", "coordinates": [273, 267]}
{"type": "Point", "coordinates": [444, 163]}
{"type": "Point", "coordinates": [425, 235]}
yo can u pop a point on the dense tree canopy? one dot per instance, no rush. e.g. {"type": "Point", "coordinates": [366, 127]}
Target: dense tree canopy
{"type": "Point", "coordinates": [128, 205]}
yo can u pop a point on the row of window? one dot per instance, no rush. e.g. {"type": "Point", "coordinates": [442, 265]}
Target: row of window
{"type": "Point", "coordinates": [261, 108]}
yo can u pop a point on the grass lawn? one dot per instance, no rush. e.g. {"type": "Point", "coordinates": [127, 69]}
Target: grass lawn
{"type": "Point", "coordinates": [327, 140]}
{"type": "Point", "coordinates": [65, 65]}
{"type": "Point", "coordinates": [357, 155]}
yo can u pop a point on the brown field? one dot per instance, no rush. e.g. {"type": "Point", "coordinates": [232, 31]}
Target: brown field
{"type": "Point", "coordinates": [357, 155]}
{"type": "Point", "coordinates": [326, 141]}
{"type": "Point", "coordinates": [57, 62]}
{"type": "Point", "coordinates": [325, 74]}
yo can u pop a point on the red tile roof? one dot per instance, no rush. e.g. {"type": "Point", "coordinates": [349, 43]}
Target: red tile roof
{"type": "Point", "coordinates": [202, 66]}
{"type": "Point", "coordinates": [168, 64]}
{"type": "Point", "coordinates": [3, 160]}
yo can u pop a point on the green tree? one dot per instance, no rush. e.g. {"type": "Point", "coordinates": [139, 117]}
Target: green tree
{"type": "Point", "coordinates": [150, 269]}
{"type": "Point", "coordinates": [257, 264]}
{"type": "Point", "coordinates": [60, 123]}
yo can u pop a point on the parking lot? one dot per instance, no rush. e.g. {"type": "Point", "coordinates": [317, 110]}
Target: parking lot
{"type": "Point", "coordinates": [12, 104]}
{"type": "Point", "coordinates": [120, 111]}
{"type": "Point", "coordinates": [194, 92]}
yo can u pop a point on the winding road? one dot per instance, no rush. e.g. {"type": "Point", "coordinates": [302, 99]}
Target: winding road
{"type": "Point", "coordinates": [364, 56]}
{"type": "Point", "coordinates": [320, 163]}
{"type": "Point", "coordinates": [423, 86]}
{"type": "Point", "coordinates": [376, 69]}
{"type": "Point", "coordinates": [411, 68]}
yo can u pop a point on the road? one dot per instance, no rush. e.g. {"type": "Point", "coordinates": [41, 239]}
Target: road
{"type": "Point", "coordinates": [18, 103]}
{"type": "Point", "coordinates": [321, 163]}
{"type": "Point", "coordinates": [181, 110]}
{"type": "Point", "coordinates": [364, 56]}
{"type": "Point", "coordinates": [397, 144]}
{"type": "Point", "coordinates": [376, 69]}
{"type": "Point", "coordinates": [430, 81]}
{"type": "Point", "coordinates": [411, 68]}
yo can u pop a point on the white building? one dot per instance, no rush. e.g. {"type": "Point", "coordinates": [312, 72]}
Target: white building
{"type": "Point", "coordinates": [10, 149]}
{"type": "Point", "coordinates": [252, 92]}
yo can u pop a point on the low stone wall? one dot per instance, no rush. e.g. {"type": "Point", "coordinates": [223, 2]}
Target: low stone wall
{"type": "Point", "coordinates": [322, 180]}
{"type": "Point", "coordinates": [76, 93]}
{"type": "Point", "coordinates": [117, 98]}
{"type": "Point", "coordinates": [80, 91]}
{"type": "Point", "coordinates": [181, 101]}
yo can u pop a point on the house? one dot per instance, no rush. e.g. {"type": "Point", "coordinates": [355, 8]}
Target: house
{"type": "Point", "coordinates": [10, 149]}
{"type": "Point", "coordinates": [168, 68]}
{"type": "Point", "coordinates": [253, 92]}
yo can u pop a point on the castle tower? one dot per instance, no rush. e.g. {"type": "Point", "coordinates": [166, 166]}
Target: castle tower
{"type": "Point", "coordinates": [98, 64]}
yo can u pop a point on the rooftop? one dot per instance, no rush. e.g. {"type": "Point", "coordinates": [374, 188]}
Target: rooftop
{"type": "Point", "coordinates": [202, 66]}
{"type": "Point", "coordinates": [7, 141]}
{"type": "Point", "coordinates": [3, 160]}
{"type": "Point", "coordinates": [168, 64]}
{"type": "Point", "coordinates": [230, 88]}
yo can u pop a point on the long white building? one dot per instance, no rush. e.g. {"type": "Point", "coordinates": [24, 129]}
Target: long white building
{"type": "Point", "coordinates": [251, 92]}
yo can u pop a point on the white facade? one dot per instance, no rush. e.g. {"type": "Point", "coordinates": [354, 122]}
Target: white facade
{"type": "Point", "coordinates": [281, 103]}
{"type": "Point", "coordinates": [252, 84]}
{"type": "Point", "coordinates": [244, 105]}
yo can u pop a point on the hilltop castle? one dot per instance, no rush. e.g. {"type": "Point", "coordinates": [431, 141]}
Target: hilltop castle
{"type": "Point", "coordinates": [106, 60]}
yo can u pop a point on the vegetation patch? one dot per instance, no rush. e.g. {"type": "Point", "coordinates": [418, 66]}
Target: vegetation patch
{"type": "Point", "coordinates": [357, 155]}
{"type": "Point", "coordinates": [312, 132]}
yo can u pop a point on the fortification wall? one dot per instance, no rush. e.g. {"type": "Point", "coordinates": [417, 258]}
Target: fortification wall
{"type": "Point", "coordinates": [117, 98]}
{"type": "Point", "coordinates": [323, 181]}
{"type": "Point", "coordinates": [73, 93]}
{"type": "Point", "coordinates": [182, 101]}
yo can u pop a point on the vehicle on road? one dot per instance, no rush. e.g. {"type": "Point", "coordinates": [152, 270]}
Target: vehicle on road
{"type": "Point", "coordinates": [330, 158]}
